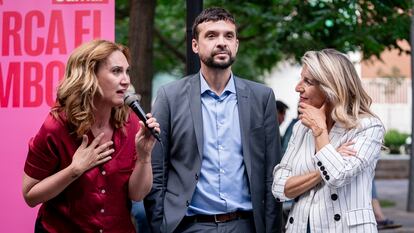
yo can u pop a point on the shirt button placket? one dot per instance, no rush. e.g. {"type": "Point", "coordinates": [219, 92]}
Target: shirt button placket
{"type": "Point", "coordinates": [103, 191]}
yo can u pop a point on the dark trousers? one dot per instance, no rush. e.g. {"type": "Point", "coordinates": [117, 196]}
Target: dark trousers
{"type": "Point", "coordinates": [235, 226]}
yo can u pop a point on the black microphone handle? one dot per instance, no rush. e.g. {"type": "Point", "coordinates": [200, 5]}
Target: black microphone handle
{"type": "Point", "coordinates": [141, 115]}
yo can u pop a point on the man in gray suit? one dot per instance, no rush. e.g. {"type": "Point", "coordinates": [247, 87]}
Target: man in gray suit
{"type": "Point", "coordinates": [220, 143]}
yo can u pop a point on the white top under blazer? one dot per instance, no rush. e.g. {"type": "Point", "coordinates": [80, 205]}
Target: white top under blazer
{"type": "Point", "coordinates": [341, 202]}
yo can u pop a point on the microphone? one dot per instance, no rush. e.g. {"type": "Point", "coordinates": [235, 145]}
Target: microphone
{"type": "Point", "coordinates": [132, 101]}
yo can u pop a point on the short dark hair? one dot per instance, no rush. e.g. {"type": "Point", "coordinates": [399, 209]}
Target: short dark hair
{"type": "Point", "coordinates": [280, 106]}
{"type": "Point", "coordinates": [212, 14]}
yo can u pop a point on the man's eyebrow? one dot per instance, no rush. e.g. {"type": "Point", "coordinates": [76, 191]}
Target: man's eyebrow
{"type": "Point", "coordinates": [210, 31]}
{"type": "Point", "coordinates": [216, 31]}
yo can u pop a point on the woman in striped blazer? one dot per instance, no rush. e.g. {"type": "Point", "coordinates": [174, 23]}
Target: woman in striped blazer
{"type": "Point", "coordinates": [329, 164]}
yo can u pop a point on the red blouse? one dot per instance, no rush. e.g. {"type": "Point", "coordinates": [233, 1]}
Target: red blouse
{"type": "Point", "coordinates": [98, 200]}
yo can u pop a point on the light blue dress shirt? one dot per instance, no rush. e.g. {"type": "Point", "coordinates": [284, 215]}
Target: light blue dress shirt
{"type": "Point", "coordinates": [222, 185]}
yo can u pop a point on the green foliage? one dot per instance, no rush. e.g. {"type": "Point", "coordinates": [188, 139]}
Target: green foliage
{"type": "Point", "coordinates": [386, 203]}
{"type": "Point", "coordinates": [122, 21]}
{"type": "Point", "coordinates": [275, 30]}
{"type": "Point", "coordinates": [393, 139]}
{"type": "Point", "coordinates": [169, 40]}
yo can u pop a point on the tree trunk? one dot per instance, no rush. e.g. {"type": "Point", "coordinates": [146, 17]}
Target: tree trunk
{"type": "Point", "coordinates": [194, 8]}
{"type": "Point", "coordinates": [410, 198]}
{"type": "Point", "coordinates": [141, 28]}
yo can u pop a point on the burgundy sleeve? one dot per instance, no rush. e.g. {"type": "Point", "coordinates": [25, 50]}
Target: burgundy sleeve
{"type": "Point", "coordinates": [42, 158]}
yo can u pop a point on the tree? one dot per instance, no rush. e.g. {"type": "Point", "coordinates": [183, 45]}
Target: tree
{"type": "Point", "coordinates": [275, 30]}
{"type": "Point", "coordinates": [141, 29]}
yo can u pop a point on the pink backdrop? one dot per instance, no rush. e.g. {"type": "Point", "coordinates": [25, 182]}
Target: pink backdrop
{"type": "Point", "coordinates": [35, 40]}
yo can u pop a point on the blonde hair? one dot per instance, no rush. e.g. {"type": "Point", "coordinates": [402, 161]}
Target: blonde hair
{"type": "Point", "coordinates": [339, 80]}
{"type": "Point", "coordinates": [76, 91]}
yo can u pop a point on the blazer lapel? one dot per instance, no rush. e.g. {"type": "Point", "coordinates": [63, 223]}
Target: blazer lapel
{"type": "Point", "coordinates": [243, 100]}
{"type": "Point", "coordinates": [194, 96]}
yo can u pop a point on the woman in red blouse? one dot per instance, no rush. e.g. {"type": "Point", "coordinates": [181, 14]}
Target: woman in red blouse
{"type": "Point", "coordinates": [91, 156]}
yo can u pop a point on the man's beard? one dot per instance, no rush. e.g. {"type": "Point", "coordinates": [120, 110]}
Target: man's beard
{"type": "Point", "coordinates": [210, 62]}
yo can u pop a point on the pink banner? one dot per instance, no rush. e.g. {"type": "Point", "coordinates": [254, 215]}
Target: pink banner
{"type": "Point", "coordinates": [36, 38]}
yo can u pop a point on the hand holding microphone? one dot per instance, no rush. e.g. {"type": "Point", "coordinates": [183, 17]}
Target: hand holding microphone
{"type": "Point", "coordinates": [132, 101]}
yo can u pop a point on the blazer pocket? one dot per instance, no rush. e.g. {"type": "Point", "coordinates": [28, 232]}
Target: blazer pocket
{"type": "Point", "coordinates": [168, 191]}
{"type": "Point", "coordinates": [360, 216]}
{"type": "Point", "coordinates": [257, 142]}
{"type": "Point", "coordinates": [257, 134]}
{"type": "Point", "coordinates": [256, 128]}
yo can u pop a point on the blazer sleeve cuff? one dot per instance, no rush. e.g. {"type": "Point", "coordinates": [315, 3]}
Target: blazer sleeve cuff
{"type": "Point", "coordinates": [329, 162]}
{"type": "Point", "coordinates": [280, 175]}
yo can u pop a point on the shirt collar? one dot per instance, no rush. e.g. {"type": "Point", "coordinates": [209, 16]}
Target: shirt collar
{"type": "Point", "coordinates": [230, 87]}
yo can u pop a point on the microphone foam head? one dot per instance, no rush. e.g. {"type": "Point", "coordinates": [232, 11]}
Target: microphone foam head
{"type": "Point", "coordinates": [129, 98]}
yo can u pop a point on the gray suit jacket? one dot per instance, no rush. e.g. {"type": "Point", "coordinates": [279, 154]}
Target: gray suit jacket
{"type": "Point", "coordinates": [177, 163]}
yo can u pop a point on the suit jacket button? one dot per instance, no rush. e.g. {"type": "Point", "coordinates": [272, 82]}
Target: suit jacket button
{"type": "Point", "coordinates": [322, 168]}
{"type": "Point", "coordinates": [337, 217]}
{"type": "Point", "coordinates": [196, 176]}
{"type": "Point", "coordinates": [187, 203]}
{"type": "Point", "coordinates": [334, 197]}
{"type": "Point", "coordinates": [291, 220]}
{"type": "Point", "coordinates": [319, 163]}
{"type": "Point", "coordinates": [327, 177]}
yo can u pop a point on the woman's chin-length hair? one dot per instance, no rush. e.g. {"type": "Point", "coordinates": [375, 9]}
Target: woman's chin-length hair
{"type": "Point", "coordinates": [339, 80]}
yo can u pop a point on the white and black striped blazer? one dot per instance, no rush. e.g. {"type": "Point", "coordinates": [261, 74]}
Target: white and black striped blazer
{"type": "Point", "coordinates": [342, 201]}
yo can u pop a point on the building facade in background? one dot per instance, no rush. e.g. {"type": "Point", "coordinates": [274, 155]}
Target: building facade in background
{"type": "Point", "coordinates": [388, 82]}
